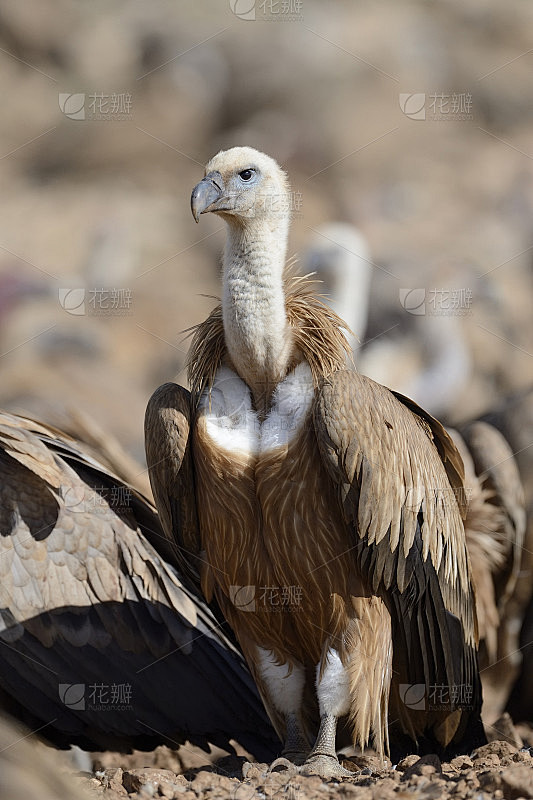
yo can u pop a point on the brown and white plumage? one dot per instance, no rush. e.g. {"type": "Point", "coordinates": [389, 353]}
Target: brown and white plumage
{"type": "Point", "coordinates": [89, 596]}
{"type": "Point", "coordinates": [304, 474]}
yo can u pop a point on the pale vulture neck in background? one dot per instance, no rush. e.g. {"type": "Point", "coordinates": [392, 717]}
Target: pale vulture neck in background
{"type": "Point", "coordinates": [253, 303]}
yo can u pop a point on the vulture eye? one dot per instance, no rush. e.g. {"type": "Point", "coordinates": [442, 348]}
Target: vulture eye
{"type": "Point", "coordinates": [246, 174]}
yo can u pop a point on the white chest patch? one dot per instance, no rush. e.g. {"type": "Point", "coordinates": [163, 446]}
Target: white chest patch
{"type": "Point", "coordinates": [233, 424]}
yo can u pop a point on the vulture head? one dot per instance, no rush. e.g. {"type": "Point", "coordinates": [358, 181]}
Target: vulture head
{"type": "Point", "coordinates": [242, 184]}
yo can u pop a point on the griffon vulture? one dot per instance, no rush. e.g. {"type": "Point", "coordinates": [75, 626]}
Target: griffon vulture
{"type": "Point", "coordinates": [102, 643]}
{"type": "Point", "coordinates": [328, 520]}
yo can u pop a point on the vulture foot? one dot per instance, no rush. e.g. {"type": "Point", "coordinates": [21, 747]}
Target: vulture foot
{"type": "Point", "coordinates": [290, 768]}
{"type": "Point", "coordinates": [326, 766]}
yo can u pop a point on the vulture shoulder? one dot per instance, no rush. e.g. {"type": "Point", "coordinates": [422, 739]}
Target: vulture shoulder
{"type": "Point", "coordinates": [102, 644]}
{"type": "Point", "coordinates": [400, 487]}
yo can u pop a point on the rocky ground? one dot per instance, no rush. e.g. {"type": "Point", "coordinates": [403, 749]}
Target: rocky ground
{"type": "Point", "coordinates": [497, 770]}
{"type": "Point", "coordinates": [501, 769]}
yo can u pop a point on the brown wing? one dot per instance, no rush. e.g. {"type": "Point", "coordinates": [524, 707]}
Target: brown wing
{"type": "Point", "coordinates": [167, 429]}
{"type": "Point", "coordinates": [391, 465]}
{"type": "Point", "coordinates": [498, 474]}
{"type": "Point", "coordinates": [87, 600]}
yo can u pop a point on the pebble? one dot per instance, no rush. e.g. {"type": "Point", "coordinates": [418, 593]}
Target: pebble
{"type": "Point", "coordinates": [517, 782]}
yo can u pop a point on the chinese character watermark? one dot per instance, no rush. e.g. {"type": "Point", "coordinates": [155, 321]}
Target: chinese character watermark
{"type": "Point", "coordinates": [81, 499]}
{"type": "Point", "coordinates": [421, 498]}
{"type": "Point", "coordinates": [267, 599]}
{"type": "Point", "coordinates": [97, 302]}
{"type": "Point", "coordinates": [96, 696]}
{"type": "Point", "coordinates": [436, 302]}
{"type": "Point", "coordinates": [96, 106]}
{"type": "Point", "coordinates": [267, 10]}
{"type": "Point", "coordinates": [437, 106]}
{"type": "Point", "coordinates": [436, 697]}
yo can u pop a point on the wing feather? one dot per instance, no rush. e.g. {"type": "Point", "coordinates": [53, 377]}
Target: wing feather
{"type": "Point", "coordinates": [89, 599]}
{"type": "Point", "coordinates": [400, 485]}
{"type": "Point", "coordinates": [167, 430]}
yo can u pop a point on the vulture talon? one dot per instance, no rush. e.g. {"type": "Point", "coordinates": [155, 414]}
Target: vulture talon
{"type": "Point", "coordinates": [290, 767]}
{"type": "Point", "coordinates": [326, 766]}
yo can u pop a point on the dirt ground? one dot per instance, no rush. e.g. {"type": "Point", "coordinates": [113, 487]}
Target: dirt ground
{"type": "Point", "coordinates": [500, 769]}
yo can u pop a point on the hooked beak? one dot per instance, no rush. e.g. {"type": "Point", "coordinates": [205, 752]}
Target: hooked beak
{"type": "Point", "coordinates": [205, 193]}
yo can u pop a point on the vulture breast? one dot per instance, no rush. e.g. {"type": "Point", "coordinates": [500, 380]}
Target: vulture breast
{"type": "Point", "coordinates": [274, 541]}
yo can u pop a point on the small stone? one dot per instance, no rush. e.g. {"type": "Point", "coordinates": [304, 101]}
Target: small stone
{"type": "Point", "coordinates": [202, 780]}
{"type": "Point", "coordinates": [348, 788]}
{"type": "Point", "coordinates": [517, 782]}
{"type": "Point", "coordinates": [407, 762]}
{"type": "Point", "coordinates": [497, 748]}
{"type": "Point", "coordinates": [427, 765]}
{"type": "Point", "coordinates": [488, 762]}
{"type": "Point", "coordinates": [243, 792]}
{"type": "Point", "coordinates": [461, 762]}
{"type": "Point", "coordinates": [490, 781]}
{"type": "Point", "coordinates": [167, 789]}
{"type": "Point", "coordinates": [131, 781]}
{"type": "Point", "coordinates": [376, 765]}
{"type": "Point", "coordinates": [504, 730]}
{"type": "Point", "coordinates": [250, 770]}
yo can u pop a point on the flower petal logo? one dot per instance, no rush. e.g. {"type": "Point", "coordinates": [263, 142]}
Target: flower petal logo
{"type": "Point", "coordinates": [413, 105]}
{"type": "Point", "coordinates": [413, 695]}
{"type": "Point", "coordinates": [415, 498]}
{"type": "Point", "coordinates": [244, 9]}
{"type": "Point", "coordinates": [72, 105]}
{"type": "Point", "coordinates": [72, 695]}
{"type": "Point", "coordinates": [243, 597]}
{"type": "Point", "coordinates": [73, 301]}
{"type": "Point", "coordinates": [414, 301]}
{"type": "Point", "coordinates": [73, 498]}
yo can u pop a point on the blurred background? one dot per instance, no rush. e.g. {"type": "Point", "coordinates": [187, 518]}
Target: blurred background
{"type": "Point", "coordinates": [411, 122]}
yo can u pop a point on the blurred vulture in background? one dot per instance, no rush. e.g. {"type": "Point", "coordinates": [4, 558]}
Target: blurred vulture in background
{"type": "Point", "coordinates": [514, 417]}
{"type": "Point", "coordinates": [340, 257]}
{"type": "Point", "coordinates": [495, 526]}
{"type": "Point", "coordinates": [431, 366]}
{"type": "Point", "coordinates": [102, 643]}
